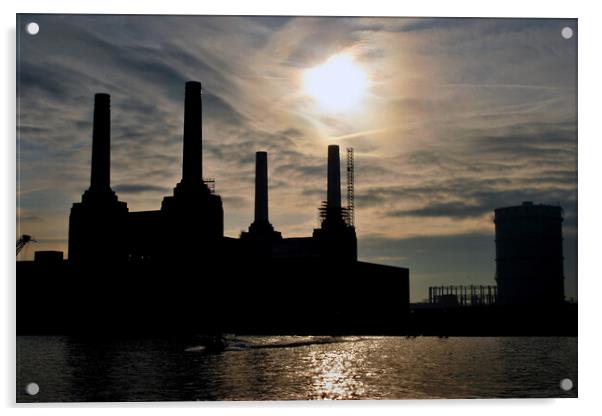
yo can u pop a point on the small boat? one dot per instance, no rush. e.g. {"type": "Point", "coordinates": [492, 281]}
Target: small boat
{"type": "Point", "coordinates": [209, 344]}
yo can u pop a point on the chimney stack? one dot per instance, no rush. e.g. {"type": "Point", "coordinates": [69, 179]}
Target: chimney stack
{"type": "Point", "coordinates": [192, 166]}
{"type": "Point", "coordinates": [261, 229]}
{"type": "Point", "coordinates": [335, 239]}
{"type": "Point", "coordinates": [100, 180]}
{"type": "Point", "coordinates": [261, 187]}
{"type": "Point", "coordinates": [333, 201]}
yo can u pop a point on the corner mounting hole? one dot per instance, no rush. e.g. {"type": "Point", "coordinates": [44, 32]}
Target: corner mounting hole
{"type": "Point", "coordinates": [566, 384]}
{"type": "Point", "coordinates": [566, 33]}
{"type": "Point", "coordinates": [32, 28]}
{"type": "Point", "coordinates": [32, 389]}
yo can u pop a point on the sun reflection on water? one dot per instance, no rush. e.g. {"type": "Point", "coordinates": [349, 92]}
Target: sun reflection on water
{"type": "Point", "coordinates": [335, 375]}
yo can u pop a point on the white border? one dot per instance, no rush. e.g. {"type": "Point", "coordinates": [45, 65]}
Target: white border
{"type": "Point", "coordinates": [590, 70]}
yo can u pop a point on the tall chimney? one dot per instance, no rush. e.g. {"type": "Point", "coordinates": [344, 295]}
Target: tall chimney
{"type": "Point", "coordinates": [100, 180]}
{"type": "Point", "coordinates": [334, 177]}
{"type": "Point", "coordinates": [261, 187]}
{"type": "Point", "coordinates": [192, 166]}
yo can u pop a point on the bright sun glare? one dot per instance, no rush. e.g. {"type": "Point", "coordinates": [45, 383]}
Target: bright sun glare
{"type": "Point", "coordinates": [337, 85]}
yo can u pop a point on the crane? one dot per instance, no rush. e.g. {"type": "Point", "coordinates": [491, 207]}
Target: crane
{"type": "Point", "coordinates": [22, 242]}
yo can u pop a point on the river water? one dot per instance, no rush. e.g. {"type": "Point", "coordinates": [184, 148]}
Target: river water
{"type": "Point", "coordinates": [295, 368]}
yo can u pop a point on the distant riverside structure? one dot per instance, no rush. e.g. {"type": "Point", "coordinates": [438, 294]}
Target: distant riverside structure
{"type": "Point", "coordinates": [529, 258]}
{"type": "Point", "coordinates": [461, 295]}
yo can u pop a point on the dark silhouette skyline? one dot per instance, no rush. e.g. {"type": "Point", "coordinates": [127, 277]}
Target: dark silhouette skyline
{"type": "Point", "coordinates": [432, 162]}
{"type": "Point", "coordinates": [179, 258]}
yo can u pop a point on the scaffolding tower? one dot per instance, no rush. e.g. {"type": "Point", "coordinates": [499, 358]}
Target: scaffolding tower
{"type": "Point", "coordinates": [350, 186]}
{"type": "Point", "coordinates": [347, 212]}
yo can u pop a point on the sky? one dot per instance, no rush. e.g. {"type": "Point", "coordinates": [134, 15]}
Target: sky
{"type": "Point", "coordinates": [458, 117]}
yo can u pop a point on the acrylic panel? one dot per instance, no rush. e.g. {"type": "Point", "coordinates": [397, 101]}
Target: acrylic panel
{"type": "Point", "coordinates": [295, 208]}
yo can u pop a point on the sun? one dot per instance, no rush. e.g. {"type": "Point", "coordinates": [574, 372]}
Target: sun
{"type": "Point", "coordinates": [337, 85]}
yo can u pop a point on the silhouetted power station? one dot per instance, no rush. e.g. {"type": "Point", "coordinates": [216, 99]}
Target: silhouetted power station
{"type": "Point", "coordinates": [174, 268]}
{"type": "Point", "coordinates": [101, 228]}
